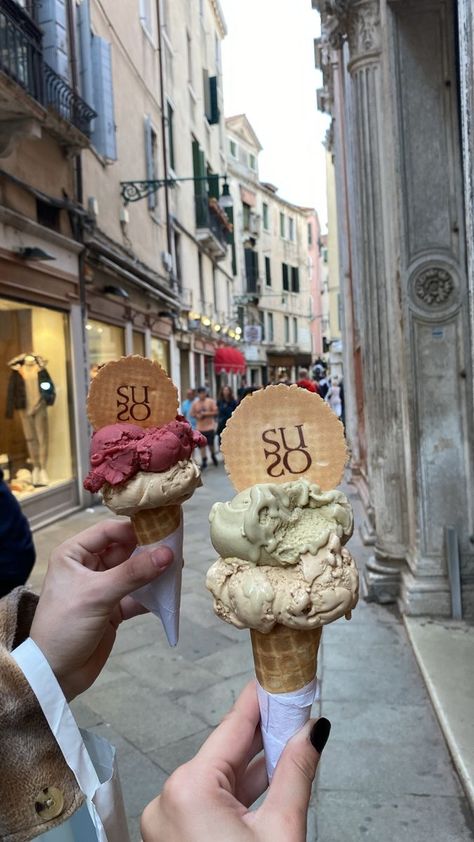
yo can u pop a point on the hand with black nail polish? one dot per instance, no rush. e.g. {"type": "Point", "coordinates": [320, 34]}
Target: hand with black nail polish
{"type": "Point", "coordinates": [208, 799]}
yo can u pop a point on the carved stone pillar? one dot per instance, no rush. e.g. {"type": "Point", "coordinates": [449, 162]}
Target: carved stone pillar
{"type": "Point", "coordinates": [358, 21]}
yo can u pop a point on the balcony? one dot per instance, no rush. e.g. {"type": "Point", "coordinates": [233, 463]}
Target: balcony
{"type": "Point", "coordinates": [212, 226]}
{"type": "Point", "coordinates": [31, 93]}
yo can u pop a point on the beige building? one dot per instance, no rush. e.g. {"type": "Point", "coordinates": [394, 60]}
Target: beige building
{"type": "Point", "coordinates": [97, 100]}
{"type": "Point", "coordinates": [167, 90]}
{"type": "Point", "coordinates": [271, 265]}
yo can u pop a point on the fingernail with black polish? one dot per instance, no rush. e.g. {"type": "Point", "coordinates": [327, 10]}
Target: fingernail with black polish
{"type": "Point", "coordinates": [319, 734]}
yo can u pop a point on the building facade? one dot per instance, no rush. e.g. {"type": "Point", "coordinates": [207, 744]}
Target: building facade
{"type": "Point", "coordinates": [274, 264]}
{"type": "Point", "coordinates": [394, 74]}
{"type": "Point", "coordinates": [113, 238]}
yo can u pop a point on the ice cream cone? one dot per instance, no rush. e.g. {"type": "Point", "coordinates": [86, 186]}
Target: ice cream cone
{"type": "Point", "coordinates": [162, 526]}
{"type": "Point", "coordinates": [152, 525]}
{"type": "Point", "coordinates": [285, 659]}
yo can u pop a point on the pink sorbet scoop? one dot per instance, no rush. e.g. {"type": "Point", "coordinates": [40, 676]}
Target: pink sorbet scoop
{"type": "Point", "coordinates": [119, 451]}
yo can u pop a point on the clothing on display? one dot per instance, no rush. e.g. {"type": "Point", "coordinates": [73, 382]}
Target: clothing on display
{"type": "Point", "coordinates": [31, 391]}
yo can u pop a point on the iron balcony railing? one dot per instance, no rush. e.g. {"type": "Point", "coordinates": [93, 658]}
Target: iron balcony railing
{"type": "Point", "coordinates": [69, 105]}
{"type": "Point", "coordinates": [20, 49]}
{"type": "Point", "coordinates": [205, 218]}
{"type": "Point", "coordinates": [21, 58]}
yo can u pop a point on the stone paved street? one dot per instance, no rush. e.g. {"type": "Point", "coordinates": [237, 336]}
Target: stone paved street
{"type": "Point", "coordinates": [386, 774]}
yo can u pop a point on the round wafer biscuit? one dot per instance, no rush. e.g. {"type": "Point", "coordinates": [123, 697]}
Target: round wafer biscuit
{"type": "Point", "coordinates": [132, 390]}
{"type": "Point", "coordinates": [284, 433]}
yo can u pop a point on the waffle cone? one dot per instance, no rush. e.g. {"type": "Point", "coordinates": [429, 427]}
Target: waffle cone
{"type": "Point", "coordinates": [132, 390]}
{"type": "Point", "coordinates": [153, 525]}
{"type": "Point", "coordinates": [285, 659]}
{"type": "Point", "coordinates": [284, 433]}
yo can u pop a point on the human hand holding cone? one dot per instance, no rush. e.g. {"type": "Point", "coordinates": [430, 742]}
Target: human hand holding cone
{"type": "Point", "coordinates": [283, 571]}
{"type": "Point", "coordinates": [141, 460]}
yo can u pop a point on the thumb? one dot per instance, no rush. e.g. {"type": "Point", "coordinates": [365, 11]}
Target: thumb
{"type": "Point", "coordinates": [140, 569]}
{"type": "Point", "coordinates": [290, 789]}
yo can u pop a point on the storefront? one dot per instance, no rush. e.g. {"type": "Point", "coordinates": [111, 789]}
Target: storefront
{"type": "Point", "coordinates": [38, 447]}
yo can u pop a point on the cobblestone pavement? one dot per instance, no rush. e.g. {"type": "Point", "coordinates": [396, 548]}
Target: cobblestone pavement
{"type": "Point", "coordinates": [385, 775]}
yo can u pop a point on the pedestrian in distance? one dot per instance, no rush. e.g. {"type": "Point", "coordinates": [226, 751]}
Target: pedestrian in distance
{"type": "Point", "coordinates": [17, 551]}
{"type": "Point", "coordinates": [204, 410]}
{"type": "Point", "coordinates": [186, 407]}
{"type": "Point", "coordinates": [322, 382]}
{"type": "Point", "coordinates": [226, 405]}
{"type": "Point", "coordinates": [334, 397]}
{"type": "Point", "coordinates": [304, 382]}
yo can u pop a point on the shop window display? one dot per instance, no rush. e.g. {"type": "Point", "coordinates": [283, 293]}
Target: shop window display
{"type": "Point", "coordinates": [138, 343]}
{"type": "Point", "coordinates": [34, 393]}
{"type": "Point", "coordinates": [160, 352]}
{"type": "Point", "coordinates": [104, 343]}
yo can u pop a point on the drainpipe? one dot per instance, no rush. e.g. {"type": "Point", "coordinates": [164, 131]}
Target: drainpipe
{"type": "Point", "coordinates": [164, 139]}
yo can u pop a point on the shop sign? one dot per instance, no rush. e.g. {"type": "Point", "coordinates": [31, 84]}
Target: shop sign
{"type": "Point", "coordinates": [253, 334]}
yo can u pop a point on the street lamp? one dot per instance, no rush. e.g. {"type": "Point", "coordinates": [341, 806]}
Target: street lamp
{"type": "Point", "coordinates": [134, 191]}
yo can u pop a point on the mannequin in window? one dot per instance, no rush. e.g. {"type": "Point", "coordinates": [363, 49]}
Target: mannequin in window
{"type": "Point", "coordinates": [30, 392]}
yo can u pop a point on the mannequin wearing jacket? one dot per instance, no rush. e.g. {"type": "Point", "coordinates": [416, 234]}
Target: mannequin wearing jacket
{"type": "Point", "coordinates": [30, 392]}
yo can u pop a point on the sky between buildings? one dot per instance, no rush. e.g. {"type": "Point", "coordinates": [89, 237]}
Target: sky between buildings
{"type": "Point", "coordinates": [269, 74]}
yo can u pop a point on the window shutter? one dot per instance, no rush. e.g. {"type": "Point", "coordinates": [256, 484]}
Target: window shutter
{"type": "Point", "coordinates": [295, 279]}
{"type": "Point", "coordinates": [213, 186]}
{"type": "Point", "coordinates": [250, 255]}
{"type": "Point", "coordinates": [213, 114]}
{"type": "Point", "coordinates": [284, 267]}
{"type": "Point", "coordinates": [51, 17]}
{"type": "Point", "coordinates": [150, 164]}
{"type": "Point", "coordinates": [206, 93]}
{"type": "Point", "coordinates": [84, 37]}
{"type": "Point", "coordinates": [103, 135]}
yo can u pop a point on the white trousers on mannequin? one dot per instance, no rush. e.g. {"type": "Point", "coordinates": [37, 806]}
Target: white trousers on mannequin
{"type": "Point", "coordinates": [35, 430]}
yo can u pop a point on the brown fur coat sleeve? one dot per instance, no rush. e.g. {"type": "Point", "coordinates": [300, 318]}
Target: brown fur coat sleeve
{"type": "Point", "coordinates": [30, 759]}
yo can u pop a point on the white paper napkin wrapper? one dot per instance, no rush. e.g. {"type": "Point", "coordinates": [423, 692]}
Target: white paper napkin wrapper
{"type": "Point", "coordinates": [163, 596]}
{"type": "Point", "coordinates": [281, 716]}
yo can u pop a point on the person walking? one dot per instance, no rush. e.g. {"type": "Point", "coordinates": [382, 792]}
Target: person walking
{"type": "Point", "coordinates": [226, 405]}
{"type": "Point", "coordinates": [186, 407]}
{"type": "Point", "coordinates": [334, 397]}
{"type": "Point", "coordinates": [204, 410]}
{"type": "Point", "coordinates": [304, 382]}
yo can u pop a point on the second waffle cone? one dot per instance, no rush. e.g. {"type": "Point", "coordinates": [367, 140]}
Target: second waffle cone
{"type": "Point", "coordinates": [153, 525]}
{"type": "Point", "coordinates": [285, 659]}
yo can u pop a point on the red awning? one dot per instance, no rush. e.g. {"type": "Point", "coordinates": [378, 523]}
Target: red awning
{"type": "Point", "coordinates": [229, 359]}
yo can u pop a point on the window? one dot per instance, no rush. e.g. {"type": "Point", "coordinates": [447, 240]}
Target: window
{"type": "Point", "coordinates": [47, 215]}
{"type": "Point", "coordinates": [151, 152]}
{"type": "Point", "coordinates": [170, 116]}
{"type": "Point", "coordinates": [266, 223]}
{"type": "Point", "coordinates": [160, 352]}
{"type": "Point", "coordinates": [268, 272]}
{"type": "Point", "coordinates": [251, 269]}
{"type": "Point", "coordinates": [246, 216]}
{"type": "Point", "coordinates": [284, 276]}
{"type": "Point", "coordinates": [189, 52]}
{"type": "Point", "coordinates": [146, 19]}
{"type": "Point", "coordinates": [295, 279]}
{"type": "Point", "coordinates": [252, 162]}
{"type": "Point", "coordinates": [282, 225]}
{"type": "Point", "coordinates": [310, 234]}
{"type": "Point", "coordinates": [270, 332]}
{"type": "Point", "coordinates": [291, 228]}
{"type": "Point", "coordinates": [138, 343]}
{"type": "Point", "coordinates": [36, 439]}
{"type": "Point", "coordinates": [261, 317]}
{"type": "Point", "coordinates": [287, 329]}
{"type": "Point", "coordinates": [233, 149]}
{"type": "Point", "coordinates": [211, 98]}
{"type": "Point", "coordinates": [295, 331]}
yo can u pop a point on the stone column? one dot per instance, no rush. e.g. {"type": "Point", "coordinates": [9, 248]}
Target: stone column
{"type": "Point", "coordinates": [358, 21]}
